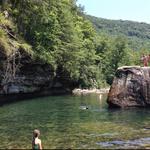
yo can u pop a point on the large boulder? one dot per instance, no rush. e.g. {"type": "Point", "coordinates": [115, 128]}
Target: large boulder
{"type": "Point", "coordinates": [130, 87]}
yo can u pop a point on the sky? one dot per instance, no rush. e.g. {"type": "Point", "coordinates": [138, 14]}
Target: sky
{"type": "Point", "coordinates": [134, 10]}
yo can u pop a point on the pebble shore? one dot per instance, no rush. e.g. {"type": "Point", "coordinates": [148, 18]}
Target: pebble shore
{"type": "Point", "coordinates": [89, 91]}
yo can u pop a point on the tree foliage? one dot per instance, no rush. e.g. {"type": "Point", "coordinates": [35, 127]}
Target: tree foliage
{"type": "Point", "coordinates": [137, 33]}
{"type": "Point", "coordinates": [63, 37]}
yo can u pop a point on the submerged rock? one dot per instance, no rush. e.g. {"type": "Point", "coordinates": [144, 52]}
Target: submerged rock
{"type": "Point", "coordinates": [130, 87]}
{"type": "Point", "coordinates": [137, 143]}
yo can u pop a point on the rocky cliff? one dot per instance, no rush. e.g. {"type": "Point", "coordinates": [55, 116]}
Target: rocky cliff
{"type": "Point", "coordinates": [22, 73]}
{"type": "Point", "coordinates": [130, 87]}
{"type": "Point", "coordinates": [32, 78]}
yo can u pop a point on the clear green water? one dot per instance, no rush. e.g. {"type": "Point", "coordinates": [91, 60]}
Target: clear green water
{"type": "Point", "coordinates": [65, 124]}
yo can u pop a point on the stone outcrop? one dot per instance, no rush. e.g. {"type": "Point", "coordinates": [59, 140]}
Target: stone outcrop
{"type": "Point", "coordinates": [22, 73]}
{"type": "Point", "coordinates": [33, 78]}
{"type": "Point", "coordinates": [130, 87]}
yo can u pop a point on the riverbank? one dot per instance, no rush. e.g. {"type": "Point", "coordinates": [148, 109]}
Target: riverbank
{"type": "Point", "coordinates": [89, 91]}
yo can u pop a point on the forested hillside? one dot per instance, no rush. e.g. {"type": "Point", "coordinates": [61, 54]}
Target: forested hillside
{"type": "Point", "coordinates": [138, 34]}
{"type": "Point", "coordinates": [57, 36]}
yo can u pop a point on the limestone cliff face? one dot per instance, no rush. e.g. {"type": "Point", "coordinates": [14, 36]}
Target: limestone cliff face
{"type": "Point", "coordinates": [130, 87]}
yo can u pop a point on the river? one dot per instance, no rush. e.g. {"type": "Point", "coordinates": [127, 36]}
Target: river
{"type": "Point", "coordinates": [66, 124]}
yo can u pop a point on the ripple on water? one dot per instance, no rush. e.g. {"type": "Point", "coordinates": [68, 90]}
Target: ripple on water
{"type": "Point", "coordinates": [104, 134]}
{"type": "Point", "coordinates": [65, 123]}
{"type": "Point", "coordinates": [126, 144]}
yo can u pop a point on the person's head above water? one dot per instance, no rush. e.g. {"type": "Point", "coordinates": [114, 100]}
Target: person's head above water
{"type": "Point", "coordinates": [36, 133]}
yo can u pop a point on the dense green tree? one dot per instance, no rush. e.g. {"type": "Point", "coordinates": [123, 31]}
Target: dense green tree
{"type": "Point", "coordinates": [113, 54]}
{"type": "Point", "coordinates": [59, 35]}
{"type": "Point", "coordinates": [62, 36]}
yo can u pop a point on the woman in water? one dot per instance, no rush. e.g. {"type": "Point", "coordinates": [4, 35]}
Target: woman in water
{"type": "Point", "coordinates": [36, 142]}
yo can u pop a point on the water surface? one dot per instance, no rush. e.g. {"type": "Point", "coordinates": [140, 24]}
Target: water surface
{"type": "Point", "coordinates": [65, 123]}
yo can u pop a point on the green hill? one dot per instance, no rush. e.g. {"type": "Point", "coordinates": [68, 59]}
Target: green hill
{"type": "Point", "coordinates": [138, 34]}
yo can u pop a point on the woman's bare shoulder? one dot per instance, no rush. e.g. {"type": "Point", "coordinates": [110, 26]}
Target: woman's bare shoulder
{"type": "Point", "coordinates": [39, 140]}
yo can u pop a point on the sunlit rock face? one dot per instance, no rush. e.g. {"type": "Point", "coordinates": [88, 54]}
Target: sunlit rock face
{"type": "Point", "coordinates": [130, 87]}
